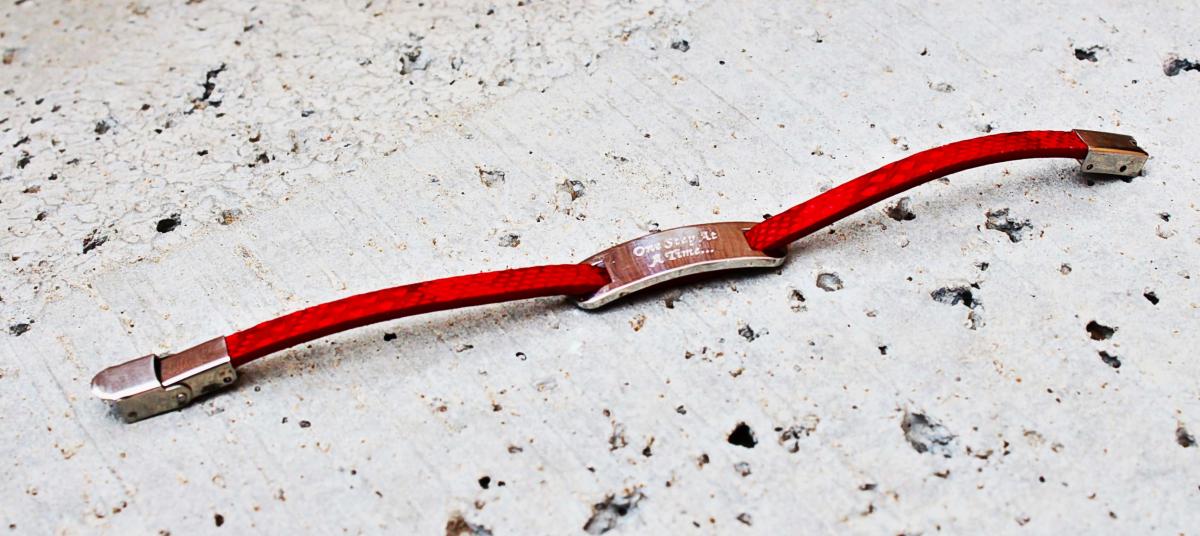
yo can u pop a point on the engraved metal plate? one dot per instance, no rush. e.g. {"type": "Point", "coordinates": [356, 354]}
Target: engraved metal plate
{"type": "Point", "coordinates": [672, 254]}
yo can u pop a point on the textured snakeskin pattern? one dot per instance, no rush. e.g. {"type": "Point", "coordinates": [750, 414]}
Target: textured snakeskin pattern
{"type": "Point", "coordinates": [772, 235]}
{"type": "Point", "coordinates": [775, 233]}
{"type": "Point", "coordinates": [387, 304]}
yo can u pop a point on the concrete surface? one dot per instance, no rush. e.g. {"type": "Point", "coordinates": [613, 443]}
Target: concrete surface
{"type": "Point", "coordinates": [1015, 357]}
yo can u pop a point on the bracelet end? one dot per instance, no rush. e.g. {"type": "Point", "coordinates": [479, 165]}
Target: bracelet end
{"type": "Point", "coordinates": [1111, 154]}
{"type": "Point", "coordinates": [150, 385]}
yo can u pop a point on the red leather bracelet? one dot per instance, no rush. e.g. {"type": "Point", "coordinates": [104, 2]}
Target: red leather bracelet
{"type": "Point", "coordinates": [154, 384]}
{"type": "Point", "coordinates": [387, 304]}
{"type": "Point", "coordinates": [776, 232]}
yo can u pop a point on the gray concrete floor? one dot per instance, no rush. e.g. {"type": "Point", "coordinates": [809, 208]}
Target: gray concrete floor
{"type": "Point", "coordinates": [172, 172]}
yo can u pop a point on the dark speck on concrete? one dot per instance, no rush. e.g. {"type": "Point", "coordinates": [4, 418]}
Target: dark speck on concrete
{"type": "Point", "coordinates": [510, 240]}
{"type": "Point", "coordinates": [490, 177]}
{"type": "Point", "coordinates": [796, 301]}
{"type": "Point", "coordinates": [926, 435]}
{"type": "Point", "coordinates": [965, 296]}
{"type": "Point", "coordinates": [102, 127]}
{"type": "Point", "coordinates": [748, 333]}
{"type": "Point", "coordinates": [607, 515]}
{"type": "Point", "coordinates": [1110, 360]}
{"type": "Point", "coordinates": [389, 336]}
{"type": "Point", "coordinates": [1151, 297]}
{"type": "Point", "coordinates": [305, 424]}
{"type": "Point", "coordinates": [572, 188]}
{"type": "Point", "coordinates": [17, 329]}
{"type": "Point", "coordinates": [209, 85]}
{"type": "Point", "coordinates": [1182, 437]}
{"type": "Point", "coordinates": [1175, 65]}
{"type": "Point", "coordinates": [955, 296]}
{"type": "Point", "coordinates": [1099, 331]}
{"type": "Point", "coordinates": [742, 468]}
{"type": "Point", "coordinates": [93, 240]}
{"type": "Point", "coordinates": [742, 436]}
{"type": "Point", "coordinates": [681, 45]}
{"type": "Point", "coordinates": [901, 211]}
{"type": "Point", "coordinates": [228, 216]}
{"type": "Point", "coordinates": [1087, 54]}
{"type": "Point", "coordinates": [168, 224]}
{"type": "Point", "coordinates": [218, 519]}
{"type": "Point", "coordinates": [459, 526]}
{"type": "Point", "coordinates": [998, 220]}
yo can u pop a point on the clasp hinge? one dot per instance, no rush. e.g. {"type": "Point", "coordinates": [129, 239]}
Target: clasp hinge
{"type": "Point", "coordinates": [150, 385]}
{"type": "Point", "coordinates": [1112, 154]}
{"type": "Point", "coordinates": [666, 255]}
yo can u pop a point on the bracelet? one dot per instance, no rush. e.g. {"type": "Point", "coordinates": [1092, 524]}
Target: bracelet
{"type": "Point", "coordinates": [154, 384]}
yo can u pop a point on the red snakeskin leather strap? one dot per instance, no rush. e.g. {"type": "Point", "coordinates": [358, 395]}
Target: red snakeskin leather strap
{"type": "Point", "coordinates": [772, 235]}
{"type": "Point", "coordinates": [387, 304]}
{"type": "Point", "coordinates": [775, 233]}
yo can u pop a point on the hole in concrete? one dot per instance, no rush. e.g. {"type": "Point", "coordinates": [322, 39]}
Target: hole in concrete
{"type": "Point", "coordinates": [459, 526]}
{"type": "Point", "coordinates": [1088, 54]}
{"type": "Point", "coordinates": [955, 296]}
{"type": "Point", "coordinates": [1175, 65]}
{"type": "Point", "coordinates": [168, 224]}
{"type": "Point", "coordinates": [748, 333]}
{"type": "Point", "coordinates": [742, 436]}
{"type": "Point", "coordinates": [608, 514]}
{"type": "Point", "coordinates": [490, 177]}
{"type": "Point", "coordinates": [1182, 437]}
{"type": "Point", "coordinates": [1100, 331]}
{"type": "Point", "coordinates": [796, 301]}
{"type": "Point", "coordinates": [1110, 360]}
{"type": "Point", "coordinates": [829, 282]}
{"type": "Point", "coordinates": [510, 240]}
{"type": "Point", "coordinates": [998, 220]}
{"type": "Point", "coordinates": [901, 211]}
{"type": "Point", "coordinates": [926, 435]}
{"type": "Point", "coordinates": [742, 468]}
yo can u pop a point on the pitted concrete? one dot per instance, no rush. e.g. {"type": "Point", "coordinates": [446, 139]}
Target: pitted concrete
{"type": "Point", "coordinates": [1008, 350]}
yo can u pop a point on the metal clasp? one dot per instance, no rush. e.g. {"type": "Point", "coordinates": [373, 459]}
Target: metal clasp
{"type": "Point", "coordinates": [1112, 154]}
{"type": "Point", "coordinates": [150, 384]}
{"type": "Point", "coordinates": [672, 254]}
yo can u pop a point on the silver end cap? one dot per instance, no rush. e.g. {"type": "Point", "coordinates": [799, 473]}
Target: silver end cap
{"type": "Point", "coordinates": [150, 385]}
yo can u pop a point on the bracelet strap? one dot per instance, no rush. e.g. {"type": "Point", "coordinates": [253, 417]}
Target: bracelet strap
{"type": "Point", "coordinates": [396, 302]}
{"type": "Point", "coordinates": [155, 384]}
{"type": "Point", "coordinates": [776, 232]}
